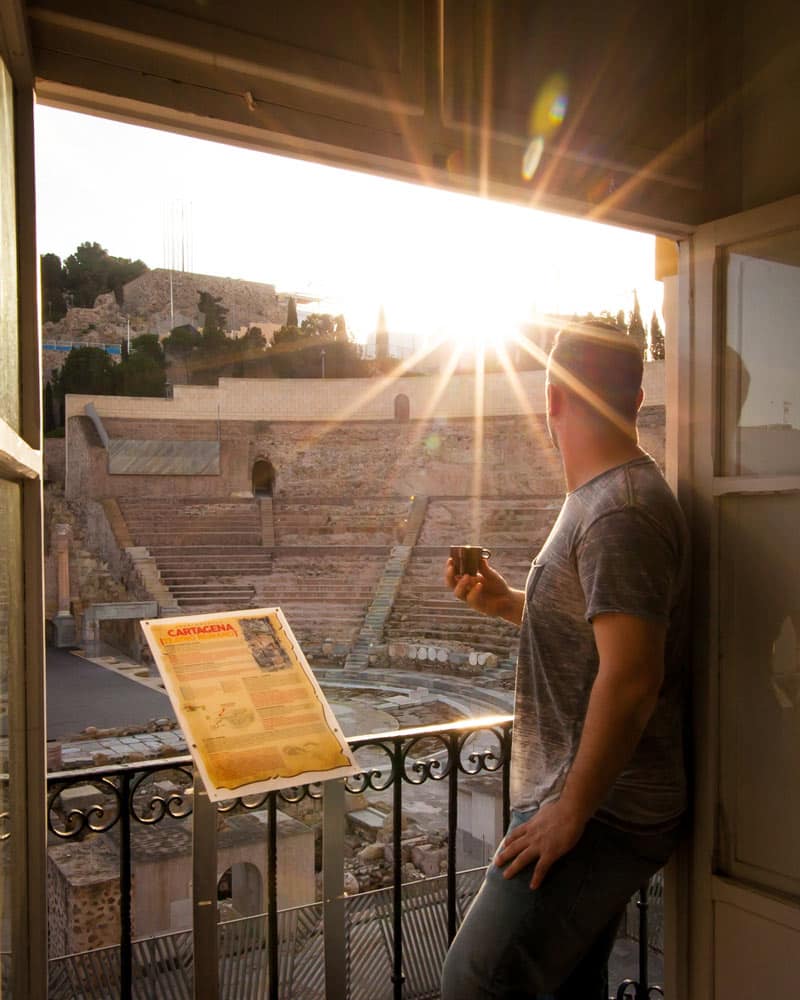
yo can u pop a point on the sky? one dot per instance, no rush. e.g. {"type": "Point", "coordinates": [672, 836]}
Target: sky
{"type": "Point", "coordinates": [441, 264]}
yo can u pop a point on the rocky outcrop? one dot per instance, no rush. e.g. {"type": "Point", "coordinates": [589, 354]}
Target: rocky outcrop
{"type": "Point", "coordinates": [151, 306]}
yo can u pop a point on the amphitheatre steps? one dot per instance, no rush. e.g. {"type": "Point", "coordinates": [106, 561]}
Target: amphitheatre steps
{"type": "Point", "coordinates": [349, 520]}
{"type": "Point", "coordinates": [523, 522]}
{"type": "Point", "coordinates": [324, 592]}
{"type": "Point", "coordinates": [267, 516]}
{"type": "Point", "coordinates": [424, 610]}
{"type": "Point", "coordinates": [208, 553]}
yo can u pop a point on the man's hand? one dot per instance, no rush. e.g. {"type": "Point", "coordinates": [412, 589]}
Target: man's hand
{"type": "Point", "coordinates": [623, 697]}
{"type": "Point", "coordinates": [486, 592]}
{"type": "Point", "coordinates": [548, 835]}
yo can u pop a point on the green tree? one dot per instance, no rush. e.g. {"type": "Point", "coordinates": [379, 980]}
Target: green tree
{"type": "Point", "coordinates": [148, 345]}
{"type": "Point", "coordinates": [54, 306]}
{"type": "Point", "coordinates": [291, 312]}
{"type": "Point", "coordinates": [319, 325]}
{"type": "Point", "coordinates": [215, 314]}
{"type": "Point", "coordinates": [181, 344]}
{"type": "Point", "coordinates": [86, 370]}
{"type": "Point", "coordinates": [657, 346]}
{"type": "Point", "coordinates": [636, 326]}
{"type": "Point", "coordinates": [297, 352]}
{"type": "Point", "coordinates": [248, 351]}
{"type": "Point", "coordinates": [49, 409]}
{"type": "Point", "coordinates": [92, 271]}
{"type": "Point", "coordinates": [215, 354]}
{"type": "Point", "coordinates": [140, 375]}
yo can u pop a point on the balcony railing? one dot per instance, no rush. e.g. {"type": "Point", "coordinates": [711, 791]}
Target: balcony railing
{"type": "Point", "coordinates": [385, 944]}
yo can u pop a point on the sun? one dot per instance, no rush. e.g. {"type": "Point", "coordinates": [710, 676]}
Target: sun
{"type": "Point", "coordinates": [481, 328]}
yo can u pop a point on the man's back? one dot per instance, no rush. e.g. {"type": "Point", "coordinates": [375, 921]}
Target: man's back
{"type": "Point", "coordinates": [619, 546]}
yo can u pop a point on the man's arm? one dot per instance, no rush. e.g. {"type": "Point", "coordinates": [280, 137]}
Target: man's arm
{"type": "Point", "coordinates": [623, 697]}
{"type": "Point", "coordinates": [487, 592]}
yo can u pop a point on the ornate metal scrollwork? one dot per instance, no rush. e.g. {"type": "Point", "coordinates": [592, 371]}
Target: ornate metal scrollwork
{"type": "Point", "coordinates": [96, 818]}
{"type": "Point", "coordinates": [375, 778]}
{"type": "Point", "coordinates": [433, 766]}
{"type": "Point", "coordinates": [148, 810]}
{"type": "Point", "coordinates": [488, 759]}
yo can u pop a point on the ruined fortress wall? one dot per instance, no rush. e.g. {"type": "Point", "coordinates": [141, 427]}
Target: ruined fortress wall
{"type": "Point", "coordinates": [298, 426]}
{"type": "Point", "coordinates": [146, 305]}
{"type": "Point", "coordinates": [346, 399]}
{"type": "Point", "coordinates": [358, 459]}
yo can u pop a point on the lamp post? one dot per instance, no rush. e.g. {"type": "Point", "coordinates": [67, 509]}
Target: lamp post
{"type": "Point", "coordinates": [322, 360]}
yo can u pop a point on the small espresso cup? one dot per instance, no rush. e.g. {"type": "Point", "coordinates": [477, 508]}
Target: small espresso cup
{"type": "Point", "coordinates": [467, 558]}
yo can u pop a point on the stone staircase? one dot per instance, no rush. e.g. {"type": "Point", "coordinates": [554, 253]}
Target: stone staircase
{"type": "Point", "coordinates": [143, 561]}
{"type": "Point", "coordinates": [267, 522]}
{"type": "Point", "coordinates": [387, 589]}
{"type": "Point", "coordinates": [424, 610]}
{"type": "Point", "coordinates": [207, 554]}
{"type": "Point", "coordinates": [324, 593]}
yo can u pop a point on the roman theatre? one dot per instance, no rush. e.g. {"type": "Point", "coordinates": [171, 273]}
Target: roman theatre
{"type": "Point", "coordinates": [336, 500]}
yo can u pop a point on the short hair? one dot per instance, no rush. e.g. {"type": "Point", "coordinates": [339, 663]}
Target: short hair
{"type": "Point", "coordinates": [601, 365]}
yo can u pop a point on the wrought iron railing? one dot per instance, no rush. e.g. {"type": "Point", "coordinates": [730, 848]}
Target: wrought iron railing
{"type": "Point", "coordinates": [383, 944]}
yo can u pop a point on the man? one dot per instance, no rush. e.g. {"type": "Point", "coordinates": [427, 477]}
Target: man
{"type": "Point", "coordinates": [597, 776]}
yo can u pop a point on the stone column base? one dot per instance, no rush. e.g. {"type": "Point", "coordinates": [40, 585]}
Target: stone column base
{"type": "Point", "coordinates": [63, 631]}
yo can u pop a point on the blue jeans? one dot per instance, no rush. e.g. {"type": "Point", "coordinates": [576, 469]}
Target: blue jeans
{"type": "Point", "coordinates": [520, 944]}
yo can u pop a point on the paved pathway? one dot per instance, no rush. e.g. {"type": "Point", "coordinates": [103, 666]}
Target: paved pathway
{"type": "Point", "coordinates": [81, 693]}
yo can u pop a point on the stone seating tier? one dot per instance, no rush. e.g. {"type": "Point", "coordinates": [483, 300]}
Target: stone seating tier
{"type": "Point", "coordinates": [425, 610]}
{"type": "Point", "coordinates": [208, 553]}
{"type": "Point", "coordinates": [502, 522]}
{"type": "Point", "coordinates": [323, 598]}
{"type": "Point", "coordinates": [348, 520]}
{"type": "Point", "coordinates": [210, 556]}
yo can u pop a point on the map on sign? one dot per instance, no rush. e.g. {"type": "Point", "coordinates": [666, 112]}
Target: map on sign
{"type": "Point", "coordinates": [249, 705]}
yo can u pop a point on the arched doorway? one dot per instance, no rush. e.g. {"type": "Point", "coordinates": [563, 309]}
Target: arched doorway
{"type": "Point", "coordinates": [263, 478]}
{"type": "Point", "coordinates": [402, 408]}
{"type": "Point", "coordinates": [242, 887]}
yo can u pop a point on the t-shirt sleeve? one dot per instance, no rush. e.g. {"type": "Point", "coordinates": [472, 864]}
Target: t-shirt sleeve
{"type": "Point", "coordinates": [626, 565]}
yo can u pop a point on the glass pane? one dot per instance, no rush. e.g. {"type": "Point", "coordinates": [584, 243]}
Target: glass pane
{"type": "Point", "coordinates": [9, 365]}
{"type": "Point", "coordinates": [761, 392]}
{"type": "Point", "coordinates": [760, 685]}
{"type": "Point", "coordinates": [10, 612]}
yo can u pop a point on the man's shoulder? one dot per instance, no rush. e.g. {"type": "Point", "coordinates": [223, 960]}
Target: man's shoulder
{"type": "Point", "coordinates": [636, 490]}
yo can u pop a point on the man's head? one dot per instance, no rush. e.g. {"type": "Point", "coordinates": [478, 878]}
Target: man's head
{"type": "Point", "coordinates": [599, 371]}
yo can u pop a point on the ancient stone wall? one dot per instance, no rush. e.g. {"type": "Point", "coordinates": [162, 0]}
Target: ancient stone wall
{"type": "Point", "coordinates": [359, 459]}
{"type": "Point", "coordinates": [99, 571]}
{"type": "Point", "coordinates": [348, 400]}
{"type": "Point", "coordinates": [248, 302]}
{"type": "Point", "coordinates": [84, 893]}
{"type": "Point", "coordinates": [55, 460]}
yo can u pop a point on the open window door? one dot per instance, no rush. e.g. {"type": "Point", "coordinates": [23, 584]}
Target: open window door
{"type": "Point", "coordinates": [23, 859]}
{"type": "Point", "coordinates": [739, 434]}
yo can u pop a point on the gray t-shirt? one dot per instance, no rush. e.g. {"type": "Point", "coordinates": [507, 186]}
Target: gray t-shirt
{"type": "Point", "coordinates": [619, 545]}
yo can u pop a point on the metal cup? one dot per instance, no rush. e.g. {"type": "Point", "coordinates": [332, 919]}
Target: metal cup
{"type": "Point", "coordinates": [467, 558]}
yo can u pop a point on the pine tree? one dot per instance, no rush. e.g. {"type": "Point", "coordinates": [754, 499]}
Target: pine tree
{"type": "Point", "coordinates": [215, 315]}
{"type": "Point", "coordinates": [657, 349]}
{"type": "Point", "coordinates": [291, 312]}
{"type": "Point", "coordinates": [636, 326]}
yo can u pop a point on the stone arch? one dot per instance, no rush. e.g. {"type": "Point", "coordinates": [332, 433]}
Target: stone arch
{"type": "Point", "coordinates": [402, 408]}
{"type": "Point", "coordinates": [263, 478]}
